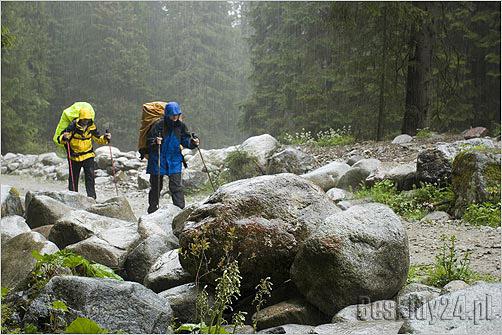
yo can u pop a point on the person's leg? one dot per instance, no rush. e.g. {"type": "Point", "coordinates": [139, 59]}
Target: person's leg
{"type": "Point", "coordinates": [176, 189]}
{"type": "Point", "coordinates": [75, 173]}
{"type": "Point", "coordinates": [88, 165]}
{"type": "Point", "coordinates": [153, 195]}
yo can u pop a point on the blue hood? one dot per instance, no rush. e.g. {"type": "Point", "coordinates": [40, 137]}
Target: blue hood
{"type": "Point", "coordinates": [172, 108]}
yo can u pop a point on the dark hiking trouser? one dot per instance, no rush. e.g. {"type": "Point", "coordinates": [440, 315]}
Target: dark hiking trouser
{"type": "Point", "coordinates": [88, 166]}
{"type": "Point", "coordinates": [175, 188]}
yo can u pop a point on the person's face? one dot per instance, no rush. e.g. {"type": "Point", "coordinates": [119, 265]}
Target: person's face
{"type": "Point", "coordinates": [84, 123]}
{"type": "Point", "coordinates": [174, 117]}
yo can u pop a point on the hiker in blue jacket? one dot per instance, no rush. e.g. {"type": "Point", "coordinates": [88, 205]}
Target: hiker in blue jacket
{"type": "Point", "coordinates": [168, 136]}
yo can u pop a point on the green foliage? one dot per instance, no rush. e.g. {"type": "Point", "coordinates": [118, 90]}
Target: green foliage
{"type": "Point", "coordinates": [239, 164]}
{"type": "Point", "coordinates": [263, 290]}
{"type": "Point", "coordinates": [49, 265]}
{"type": "Point", "coordinates": [328, 138]}
{"type": "Point", "coordinates": [302, 137]}
{"type": "Point", "coordinates": [84, 326]}
{"type": "Point", "coordinates": [424, 133]}
{"type": "Point", "coordinates": [412, 205]}
{"type": "Point", "coordinates": [485, 214]}
{"type": "Point", "coordinates": [8, 39]}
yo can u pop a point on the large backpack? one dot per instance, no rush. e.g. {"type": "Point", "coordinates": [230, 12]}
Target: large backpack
{"type": "Point", "coordinates": [150, 113]}
{"type": "Point", "coordinates": [68, 115]}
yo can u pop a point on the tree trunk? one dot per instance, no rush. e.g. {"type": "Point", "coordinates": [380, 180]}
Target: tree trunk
{"type": "Point", "coordinates": [419, 75]}
{"type": "Point", "coordinates": [381, 103]}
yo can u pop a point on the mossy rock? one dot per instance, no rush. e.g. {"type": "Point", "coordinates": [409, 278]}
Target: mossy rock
{"type": "Point", "coordinates": [475, 179]}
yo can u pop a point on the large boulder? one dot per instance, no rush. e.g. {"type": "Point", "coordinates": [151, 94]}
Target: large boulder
{"type": "Point", "coordinates": [167, 273]}
{"type": "Point", "coordinates": [268, 227]}
{"type": "Point", "coordinates": [115, 305]}
{"type": "Point", "coordinates": [402, 139]}
{"type": "Point", "coordinates": [476, 179]}
{"type": "Point", "coordinates": [183, 301]}
{"type": "Point", "coordinates": [450, 150]}
{"type": "Point", "coordinates": [79, 225]}
{"type": "Point", "coordinates": [162, 217]}
{"type": "Point", "coordinates": [359, 253]}
{"type": "Point", "coordinates": [262, 147]}
{"type": "Point", "coordinates": [69, 198]}
{"type": "Point", "coordinates": [359, 328]}
{"type": "Point", "coordinates": [327, 176]}
{"type": "Point", "coordinates": [194, 179]}
{"type": "Point", "coordinates": [375, 311]}
{"type": "Point", "coordinates": [433, 167]}
{"type": "Point", "coordinates": [109, 247]}
{"type": "Point", "coordinates": [473, 310]}
{"type": "Point", "coordinates": [289, 160]}
{"type": "Point", "coordinates": [118, 208]}
{"type": "Point", "coordinates": [42, 210]}
{"type": "Point", "coordinates": [50, 158]}
{"type": "Point", "coordinates": [140, 260]}
{"type": "Point", "coordinates": [17, 260]}
{"type": "Point", "coordinates": [297, 311]}
{"type": "Point", "coordinates": [105, 150]}
{"type": "Point", "coordinates": [143, 181]}
{"type": "Point", "coordinates": [353, 179]}
{"type": "Point", "coordinates": [475, 132]}
{"type": "Point", "coordinates": [214, 159]}
{"type": "Point", "coordinates": [12, 226]}
{"type": "Point", "coordinates": [11, 202]}
{"type": "Point", "coordinates": [291, 328]}
{"type": "Point", "coordinates": [180, 218]}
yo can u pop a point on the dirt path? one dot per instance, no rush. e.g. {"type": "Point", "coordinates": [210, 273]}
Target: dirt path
{"type": "Point", "coordinates": [484, 243]}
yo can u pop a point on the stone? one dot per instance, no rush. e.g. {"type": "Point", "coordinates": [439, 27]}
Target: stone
{"type": "Point", "coordinates": [475, 132]}
{"type": "Point", "coordinates": [402, 139]}
{"type": "Point", "coordinates": [404, 176]}
{"type": "Point", "coordinates": [453, 286]}
{"type": "Point", "coordinates": [183, 301]}
{"type": "Point", "coordinates": [140, 260]}
{"type": "Point", "coordinates": [353, 179]}
{"type": "Point", "coordinates": [433, 167]}
{"type": "Point", "coordinates": [194, 179]}
{"type": "Point", "coordinates": [167, 273]}
{"type": "Point", "coordinates": [42, 210]}
{"type": "Point", "coordinates": [450, 150]}
{"type": "Point", "coordinates": [115, 305]}
{"type": "Point", "coordinates": [79, 225]}
{"type": "Point", "coordinates": [117, 207]}
{"type": "Point", "coordinates": [473, 310]}
{"type": "Point", "coordinates": [180, 218]}
{"type": "Point", "coordinates": [289, 329]}
{"type": "Point", "coordinates": [360, 253]}
{"type": "Point", "coordinates": [359, 328]}
{"type": "Point", "coordinates": [17, 260]}
{"type": "Point", "coordinates": [143, 181]}
{"type": "Point", "coordinates": [297, 311]}
{"type": "Point", "coordinates": [12, 226]}
{"type": "Point", "coordinates": [268, 226]}
{"type": "Point", "coordinates": [354, 159]}
{"type": "Point", "coordinates": [346, 204]}
{"type": "Point", "coordinates": [289, 160]}
{"type": "Point", "coordinates": [162, 217]}
{"type": "Point", "coordinates": [44, 230]}
{"type": "Point", "coordinates": [261, 146]}
{"type": "Point", "coordinates": [105, 150]}
{"type": "Point", "coordinates": [383, 310]}
{"type": "Point", "coordinates": [368, 165]}
{"type": "Point", "coordinates": [337, 194]}
{"type": "Point", "coordinates": [412, 297]}
{"type": "Point", "coordinates": [475, 179]}
{"type": "Point", "coordinates": [11, 202]}
{"type": "Point", "coordinates": [50, 158]}
{"type": "Point", "coordinates": [327, 176]}
{"type": "Point", "coordinates": [436, 217]}
{"type": "Point", "coordinates": [69, 198]}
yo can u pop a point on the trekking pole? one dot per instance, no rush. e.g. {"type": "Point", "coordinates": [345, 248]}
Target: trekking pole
{"type": "Point", "coordinates": [113, 165]}
{"type": "Point", "coordinates": [158, 171]}
{"type": "Point", "coordinates": [71, 167]}
{"type": "Point", "coordinates": [204, 163]}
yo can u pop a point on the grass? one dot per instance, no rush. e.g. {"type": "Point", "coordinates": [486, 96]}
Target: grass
{"type": "Point", "coordinates": [328, 138]}
{"type": "Point", "coordinates": [485, 214]}
{"type": "Point", "coordinates": [424, 133]}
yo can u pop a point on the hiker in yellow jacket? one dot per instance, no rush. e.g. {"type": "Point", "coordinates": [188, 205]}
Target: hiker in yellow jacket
{"type": "Point", "coordinates": [79, 134]}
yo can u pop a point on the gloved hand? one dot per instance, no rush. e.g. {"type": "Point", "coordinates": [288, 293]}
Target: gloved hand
{"type": "Point", "coordinates": [158, 140]}
{"type": "Point", "coordinates": [196, 141]}
{"type": "Point", "coordinates": [66, 136]}
{"type": "Point", "coordinates": [108, 136]}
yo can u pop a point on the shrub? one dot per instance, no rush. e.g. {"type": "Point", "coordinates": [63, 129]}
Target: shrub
{"type": "Point", "coordinates": [303, 137]}
{"type": "Point", "coordinates": [336, 137]}
{"type": "Point", "coordinates": [240, 165]}
{"type": "Point", "coordinates": [485, 214]}
{"type": "Point", "coordinates": [424, 133]}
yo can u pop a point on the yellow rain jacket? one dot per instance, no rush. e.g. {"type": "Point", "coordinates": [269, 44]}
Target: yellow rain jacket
{"type": "Point", "coordinates": [81, 138]}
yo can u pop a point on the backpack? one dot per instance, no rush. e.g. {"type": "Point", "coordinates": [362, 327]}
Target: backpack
{"type": "Point", "coordinates": [68, 115]}
{"type": "Point", "coordinates": [150, 113]}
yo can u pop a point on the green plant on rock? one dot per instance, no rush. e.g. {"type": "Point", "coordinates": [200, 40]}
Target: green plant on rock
{"type": "Point", "coordinates": [485, 214]}
{"type": "Point", "coordinates": [424, 133]}
{"type": "Point", "coordinates": [263, 290]}
{"type": "Point", "coordinates": [239, 164]}
{"type": "Point", "coordinates": [85, 326]}
{"type": "Point", "coordinates": [57, 311]}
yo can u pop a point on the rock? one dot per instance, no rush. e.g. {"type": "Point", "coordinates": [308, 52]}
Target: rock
{"type": "Point", "coordinates": [359, 253]}
{"type": "Point", "coordinates": [359, 328]}
{"type": "Point", "coordinates": [167, 273]}
{"type": "Point", "coordinates": [109, 247]}
{"type": "Point", "coordinates": [297, 311]}
{"type": "Point", "coordinates": [453, 286]}
{"type": "Point", "coordinates": [143, 181]}
{"type": "Point", "coordinates": [214, 159]}
{"type": "Point", "coordinates": [162, 217]}
{"type": "Point", "coordinates": [194, 179]}
{"type": "Point", "coordinates": [79, 225]}
{"type": "Point", "coordinates": [354, 159]}
{"type": "Point", "coordinates": [353, 179]}
{"type": "Point", "coordinates": [42, 210]}
{"type": "Point", "coordinates": [269, 227]}
{"type": "Point", "coordinates": [44, 230]}
{"type": "Point", "coordinates": [62, 172]}
{"type": "Point", "coordinates": [117, 208]}
{"type": "Point", "coordinates": [404, 176]}
{"type": "Point", "coordinates": [102, 180]}
{"type": "Point", "coordinates": [50, 158]}
{"type": "Point", "coordinates": [12, 166]}
{"type": "Point", "coordinates": [17, 260]}
{"type": "Point", "coordinates": [337, 194]}
{"type": "Point", "coordinates": [180, 219]}
{"type": "Point", "coordinates": [368, 165]}
{"type": "Point", "coordinates": [473, 310]}
{"type": "Point", "coordinates": [9, 156]}
{"type": "Point", "coordinates": [346, 204]}
{"type": "Point", "coordinates": [450, 150]}
{"type": "Point", "coordinates": [69, 198]}
{"type": "Point", "coordinates": [289, 329]}
{"type": "Point", "coordinates": [132, 164]}
{"type": "Point", "coordinates": [412, 297]}
{"type": "Point", "coordinates": [475, 179]}
{"type": "Point", "coordinates": [417, 287]}
{"type": "Point", "coordinates": [433, 167]}
{"type": "Point", "coordinates": [11, 202]}
{"type": "Point", "coordinates": [115, 305]}
{"type": "Point", "coordinates": [289, 160]}
{"type": "Point", "coordinates": [12, 226]}
{"type": "Point", "coordinates": [27, 161]}
{"type": "Point", "coordinates": [436, 217]}
{"type": "Point", "coordinates": [140, 260]}
{"type": "Point", "coordinates": [327, 176]}
{"type": "Point", "coordinates": [183, 301]}
{"type": "Point", "coordinates": [103, 161]}
{"type": "Point", "coordinates": [475, 132]}
{"type": "Point", "coordinates": [402, 139]}
{"type": "Point", "coordinates": [262, 146]}
{"type": "Point", "coordinates": [105, 150]}
{"type": "Point", "coordinates": [375, 311]}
